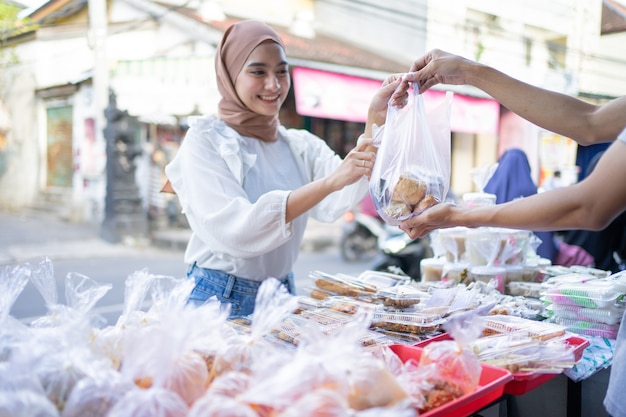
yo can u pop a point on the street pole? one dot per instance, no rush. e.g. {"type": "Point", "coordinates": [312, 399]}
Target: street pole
{"type": "Point", "coordinates": [97, 37]}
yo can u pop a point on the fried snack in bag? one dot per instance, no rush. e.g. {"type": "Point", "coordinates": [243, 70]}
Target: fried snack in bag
{"type": "Point", "coordinates": [95, 396]}
{"type": "Point", "coordinates": [412, 168]}
{"type": "Point", "coordinates": [152, 402]}
{"type": "Point", "coordinates": [455, 362]}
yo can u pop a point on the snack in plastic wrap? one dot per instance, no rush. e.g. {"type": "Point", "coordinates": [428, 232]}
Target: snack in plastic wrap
{"type": "Point", "coordinates": [153, 402]}
{"type": "Point", "coordinates": [26, 403]}
{"type": "Point", "coordinates": [458, 366]}
{"type": "Point", "coordinates": [412, 168]}
{"type": "Point", "coordinates": [405, 322]}
{"type": "Point", "coordinates": [402, 296]}
{"type": "Point", "coordinates": [94, 397]}
{"type": "Point", "coordinates": [373, 385]}
{"type": "Point", "coordinates": [539, 330]}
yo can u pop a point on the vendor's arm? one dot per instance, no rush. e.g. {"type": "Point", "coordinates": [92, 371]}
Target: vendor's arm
{"type": "Point", "coordinates": [584, 122]}
{"type": "Point", "coordinates": [589, 204]}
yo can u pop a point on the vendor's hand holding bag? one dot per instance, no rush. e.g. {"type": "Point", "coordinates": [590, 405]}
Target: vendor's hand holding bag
{"type": "Point", "coordinates": [412, 169]}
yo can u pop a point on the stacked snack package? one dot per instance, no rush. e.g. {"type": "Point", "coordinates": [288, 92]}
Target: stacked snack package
{"type": "Point", "coordinates": [587, 304]}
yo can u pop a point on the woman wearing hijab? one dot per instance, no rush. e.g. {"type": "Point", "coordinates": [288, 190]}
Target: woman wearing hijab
{"type": "Point", "coordinates": [510, 181]}
{"type": "Point", "coordinates": [247, 185]}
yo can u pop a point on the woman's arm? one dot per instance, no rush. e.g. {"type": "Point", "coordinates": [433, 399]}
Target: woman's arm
{"type": "Point", "coordinates": [358, 163]}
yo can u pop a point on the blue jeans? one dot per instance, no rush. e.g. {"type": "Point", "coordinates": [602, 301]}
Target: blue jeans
{"type": "Point", "coordinates": [240, 293]}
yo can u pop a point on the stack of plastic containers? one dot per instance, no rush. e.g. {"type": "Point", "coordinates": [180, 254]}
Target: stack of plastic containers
{"type": "Point", "coordinates": [588, 305]}
{"type": "Point", "coordinates": [492, 255]}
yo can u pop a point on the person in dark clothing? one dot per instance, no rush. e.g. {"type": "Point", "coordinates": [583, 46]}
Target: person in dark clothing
{"type": "Point", "coordinates": [607, 246]}
{"type": "Point", "coordinates": [510, 181]}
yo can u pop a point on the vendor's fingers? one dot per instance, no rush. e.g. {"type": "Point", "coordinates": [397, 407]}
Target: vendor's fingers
{"type": "Point", "coordinates": [413, 232]}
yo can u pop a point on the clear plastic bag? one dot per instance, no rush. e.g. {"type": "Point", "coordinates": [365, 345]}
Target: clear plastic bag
{"type": "Point", "coordinates": [412, 169]}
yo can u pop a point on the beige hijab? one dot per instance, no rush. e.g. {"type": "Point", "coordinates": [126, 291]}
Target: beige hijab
{"type": "Point", "coordinates": [237, 44]}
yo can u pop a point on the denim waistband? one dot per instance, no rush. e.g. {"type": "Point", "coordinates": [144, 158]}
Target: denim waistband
{"type": "Point", "coordinates": [228, 281]}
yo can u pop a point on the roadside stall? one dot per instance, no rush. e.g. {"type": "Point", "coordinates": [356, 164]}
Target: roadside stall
{"type": "Point", "coordinates": [377, 343]}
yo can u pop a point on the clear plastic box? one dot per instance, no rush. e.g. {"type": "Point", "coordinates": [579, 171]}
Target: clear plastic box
{"type": "Point", "coordinates": [608, 315]}
{"type": "Point", "coordinates": [598, 294]}
{"type": "Point", "coordinates": [402, 296]}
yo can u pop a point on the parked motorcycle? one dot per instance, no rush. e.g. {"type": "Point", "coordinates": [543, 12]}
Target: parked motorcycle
{"type": "Point", "coordinates": [400, 254]}
{"type": "Point", "coordinates": [361, 231]}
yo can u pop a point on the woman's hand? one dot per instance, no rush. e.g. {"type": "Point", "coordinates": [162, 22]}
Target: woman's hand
{"type": "Point", "coordinates": [377, 112]}
{"type": "Point", "coordinates": [357, 163]}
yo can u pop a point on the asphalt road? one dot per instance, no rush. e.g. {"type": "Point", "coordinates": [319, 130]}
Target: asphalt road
{"type": "Point", "coordinates": [32, 236]}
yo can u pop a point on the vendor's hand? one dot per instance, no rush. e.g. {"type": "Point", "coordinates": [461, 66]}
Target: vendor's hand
{"type": "Point", "coordinates": [357, 163]}
{"type": "Point", "coordinates": [436, 217]}
{"type": "Point", "coordinates": [439, 67]}
{"type": "Point", "coordinates": [377, 112]}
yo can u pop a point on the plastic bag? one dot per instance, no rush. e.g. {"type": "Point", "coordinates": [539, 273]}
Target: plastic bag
{"type": "Point", "coordinates": [412, 168]}
{"type": "Point", "coordinates": [455, 362]}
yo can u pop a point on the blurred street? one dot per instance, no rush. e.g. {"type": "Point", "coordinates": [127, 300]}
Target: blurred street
{"type": "Point", "coordinates": [31, 235]}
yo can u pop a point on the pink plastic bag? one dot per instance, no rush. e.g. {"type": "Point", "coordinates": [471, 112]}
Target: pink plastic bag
{"type": "Point", "coordinates": [412, 169]}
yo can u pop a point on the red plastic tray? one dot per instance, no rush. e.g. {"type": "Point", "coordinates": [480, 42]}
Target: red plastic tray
{"type": "Point", "coordinates": [524, 382]}
{"type": "Point", "coordinates": [490, 387]}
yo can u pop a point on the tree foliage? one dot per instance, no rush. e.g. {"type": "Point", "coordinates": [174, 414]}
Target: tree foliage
{"type": "Point", "coordinates": [10, 25]}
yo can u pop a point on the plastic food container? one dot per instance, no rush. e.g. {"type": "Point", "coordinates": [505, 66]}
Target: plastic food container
{"type": "Point", "coordinates": [453, 243]}
{"type": "Point", "coordinates": [531, 273]}
{"type": "Point", "coordinates": [378, 279]}
{"type": "Point", "coordinates": [587, 328]}
{"type": "Point", "coordinates": [479, 199]}
{"type": "Point", "coordinates": [600, 273]}
{"type": "Point", "coordinates": [431, 269]}
{"type": "Point", "coordinates": [347, 305]}
{"type": "Point", "coordinates": [413, 323]}
{"type": "Point", "coordinates": [598, 294]}
{"type": "Point", "coordinates": [336, 285]}
{"type": "Point", "coordinates": [490, 387]}
{"type": "Point", "coordinates": [525, 289]}
{"type": "Point", "coordinates": [524, 382]}
{"type": "Point", "coordinates": [402, 296]}
{"type": "Point", "coordinates": [455, 272]}
{"type": "Point", "coordinates": [608, 315]}
{"type": "Point", "coordinates": [486, 245]}
{"type": "Point", "coordinates": [514, 273]}
{"type": "Point", "coordinates": [539, 330]}
{"type": "Point", "coordinates": [619, 281]}
{"type": "Point", "coordinates": [489, 274]}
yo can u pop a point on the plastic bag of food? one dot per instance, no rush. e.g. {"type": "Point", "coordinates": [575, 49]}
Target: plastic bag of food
{"type": "Point", "coordinates": [152, 402]}
{"type": "Point", "coordinates": [457, 365]}
{"type": "Point", "coordinates": [412, 168]}
{"type": "Point", "coordinates": [95, 396]}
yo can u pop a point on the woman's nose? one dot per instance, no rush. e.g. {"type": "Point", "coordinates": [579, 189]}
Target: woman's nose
{"type": "Point", "coordinates": [272, 82]}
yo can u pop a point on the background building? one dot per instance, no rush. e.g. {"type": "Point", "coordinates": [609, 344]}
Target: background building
{"type": "Point", "coordinates": [58, 66]}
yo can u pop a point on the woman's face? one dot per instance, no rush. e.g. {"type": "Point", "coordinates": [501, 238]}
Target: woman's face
{"type": "Point", "coordinates": [264, 81]}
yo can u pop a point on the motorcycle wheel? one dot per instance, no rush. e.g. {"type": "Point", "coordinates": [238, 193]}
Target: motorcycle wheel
{"type": "Point", "coordinates": [358, 245]}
